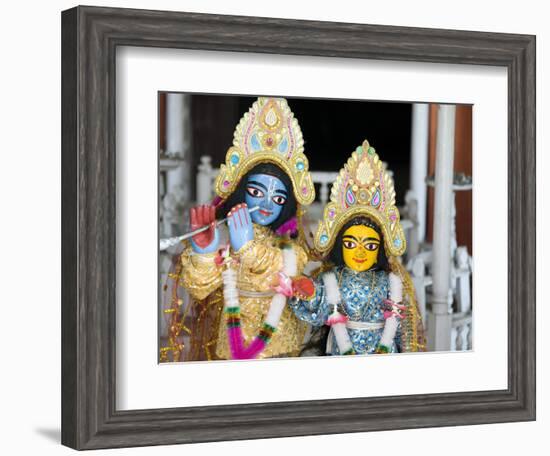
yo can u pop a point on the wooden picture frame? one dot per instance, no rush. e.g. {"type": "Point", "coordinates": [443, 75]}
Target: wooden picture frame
{"type": "Point", "coordinates": [90, 37]}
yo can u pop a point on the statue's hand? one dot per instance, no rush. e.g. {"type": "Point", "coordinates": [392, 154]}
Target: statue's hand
{"type": "Point", "coordinates": [207, 241]}
{"type": "Point", "coordinates": [240, 226]}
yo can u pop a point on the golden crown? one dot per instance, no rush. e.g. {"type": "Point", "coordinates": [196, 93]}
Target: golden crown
{"type": "Point", "coordinates": [363, 187]}
{"type": "Point", "coordinates": [268, 132]}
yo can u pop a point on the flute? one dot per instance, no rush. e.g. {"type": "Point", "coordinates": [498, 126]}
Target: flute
{"type": "Point", "coordinates": [166, 243]}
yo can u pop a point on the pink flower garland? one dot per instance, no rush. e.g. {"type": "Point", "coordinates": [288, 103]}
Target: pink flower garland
{"type": "Point", "coordinates": [233, 312]}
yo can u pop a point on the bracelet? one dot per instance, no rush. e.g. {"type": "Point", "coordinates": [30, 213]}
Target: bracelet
{"type": "Point", "coordinates": [299, 291]}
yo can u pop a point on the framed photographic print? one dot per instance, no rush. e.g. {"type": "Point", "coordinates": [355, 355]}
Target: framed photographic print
{"type": "Point", "coordinates": [281, 228]}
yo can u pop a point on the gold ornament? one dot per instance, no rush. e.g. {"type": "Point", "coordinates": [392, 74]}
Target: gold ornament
{"type": "Point", "coordinates": [268, 132]}
{"type": "Point", "coordinates": [363, 187]}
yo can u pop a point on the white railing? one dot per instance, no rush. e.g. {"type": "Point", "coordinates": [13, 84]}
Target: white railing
{"type": "Point", "coordinates": [324, 179]}
{"type": "Point", "coordinates": [421, 280]}
{"type": "Point", "coordinates": [420, 268]}
{"type": "Point", "coordinates": [461, 334]}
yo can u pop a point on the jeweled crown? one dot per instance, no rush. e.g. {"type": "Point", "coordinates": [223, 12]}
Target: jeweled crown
{"type": "Point", "coordinates": [268, 132]}
{"type": "Point", "coordinates": [363, 187]}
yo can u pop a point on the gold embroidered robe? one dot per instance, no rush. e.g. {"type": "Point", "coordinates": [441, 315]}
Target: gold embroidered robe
{"type": "Point", "coordinates": [260, 260]}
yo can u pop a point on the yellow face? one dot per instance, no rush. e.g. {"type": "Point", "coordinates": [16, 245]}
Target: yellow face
{"type": "Point", "coordinates": [360, 245]}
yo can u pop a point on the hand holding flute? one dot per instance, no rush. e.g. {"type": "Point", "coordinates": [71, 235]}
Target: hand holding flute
{"type": "Point", "coordinates": [204, 232]}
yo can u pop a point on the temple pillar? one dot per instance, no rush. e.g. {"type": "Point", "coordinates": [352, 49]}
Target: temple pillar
{"type": "Point", "coordinates": [440, 316]}
{"type": "Point", "coordinates": [419, 163]}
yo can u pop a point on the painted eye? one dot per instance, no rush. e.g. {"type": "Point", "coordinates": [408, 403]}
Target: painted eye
{"type": "Point", "coordinates": [371, 246]}
{"type": "Point", "coordinates": [280, 200]}
{"type": "Point", "coordinates": [350, 244]}
{"type": "Point", "coordinates": [254, 192]}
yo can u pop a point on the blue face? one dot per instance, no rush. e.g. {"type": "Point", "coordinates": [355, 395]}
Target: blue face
{"type": "Point", "coordinates": [269, 193]}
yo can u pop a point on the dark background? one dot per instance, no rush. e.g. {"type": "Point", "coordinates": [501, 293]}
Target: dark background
{"type": "Point", "coordinates": [332, 130]}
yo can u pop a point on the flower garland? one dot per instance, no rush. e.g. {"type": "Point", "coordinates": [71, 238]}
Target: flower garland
{"type": "Point", "coordinates": [336, 320]}
{"type": "Point", "coordinates": [232, 307]}
{"type": "Point", "coordinates": [391, 314]}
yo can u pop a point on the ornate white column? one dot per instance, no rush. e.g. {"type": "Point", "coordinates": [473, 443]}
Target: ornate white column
{"type": "Point", "coordinates": [419, 162]}
{"type": "Point", "coordinates": [178, 142]}
{"type": "Point", "coordinates": [175, 168]}
{"type": "Point", "coordinates": [440, 317]}
{"type": "Point", "coordinates": [178, 136]}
